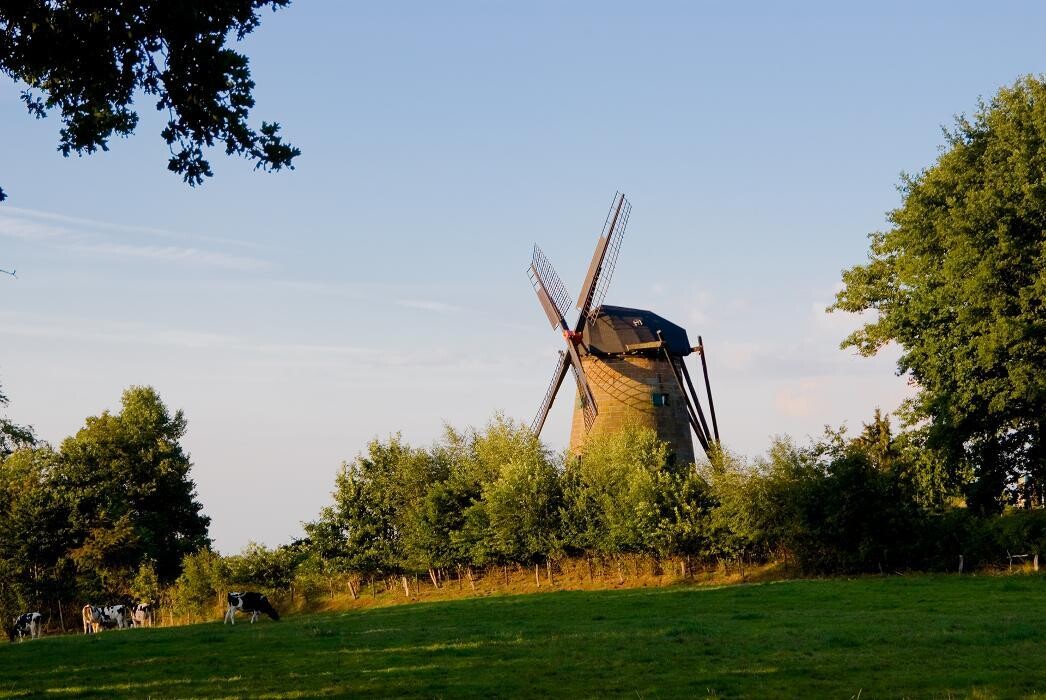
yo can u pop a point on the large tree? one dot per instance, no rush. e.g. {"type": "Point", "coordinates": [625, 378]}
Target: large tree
{"type": "Point", "coordinates": [91, 60]}
{"type": "Point", "coordinates": [129, 492]}
{"type": "Point", "coordinates": [959, 282]}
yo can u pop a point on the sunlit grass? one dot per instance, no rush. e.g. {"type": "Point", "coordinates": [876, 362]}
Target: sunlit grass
{"type": "Point", "coordinates": [873, 637]}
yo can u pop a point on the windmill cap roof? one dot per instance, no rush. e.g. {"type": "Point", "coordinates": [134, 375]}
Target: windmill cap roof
{"type": "Point", "coordinates": [620, 330]}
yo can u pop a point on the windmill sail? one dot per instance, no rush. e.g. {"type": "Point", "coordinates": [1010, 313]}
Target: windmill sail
{"type": "Point", "coordinates": [550, 395]}
{"type": "Point", "coordinates": [584, 394]}
{"type": "Point", "coordinates": [604, 259]}
{"type": "Point", "coordinates": [551, 291]}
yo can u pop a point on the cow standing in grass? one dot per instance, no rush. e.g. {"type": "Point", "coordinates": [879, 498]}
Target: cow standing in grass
{"type": "Point", "coordinates": [249, 603]}
{"type": "Point", "coordinates": [142, 615]}
{"type": "Point", "coordinates": [96, 618]}
{"type": "Point", "coordinates": [29, 625]}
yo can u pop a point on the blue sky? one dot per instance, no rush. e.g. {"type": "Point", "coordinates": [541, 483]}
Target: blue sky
{"type": "Point", "coordinates": [381, 285]}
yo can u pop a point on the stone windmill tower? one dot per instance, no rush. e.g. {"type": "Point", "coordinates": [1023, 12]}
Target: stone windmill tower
{"type": "Point", "coordinates": [627, 363]}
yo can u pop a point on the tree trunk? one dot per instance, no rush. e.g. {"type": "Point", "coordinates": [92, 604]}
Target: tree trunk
{"type": "Point", "coordinates": [406, 587]}
{"type": "Point", "coordinates": [472, 581]}
{"type": "Point", "coordinates": [588, 560]}
{"type": "Point", "coordinates": [61, 618]}
{"type": "Point", "coordinates": [548, 569]}
{"type": "Point", "coordinates": [537, 579]}
{"type": "Point", "coordinates": [620, 571]}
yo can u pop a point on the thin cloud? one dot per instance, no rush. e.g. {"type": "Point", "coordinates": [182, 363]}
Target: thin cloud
{"type": "Point", "coordinates": [124, 228]}
{"type": "Point", "coordinates": [76, 236]}
{"type": "Point", "coordinates": [429, 305]}
{"type": "Point", "coordinates": [172, 254]}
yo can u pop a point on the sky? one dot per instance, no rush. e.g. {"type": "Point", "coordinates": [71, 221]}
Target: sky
{"type": "Point", "coordinates": [381, 286]}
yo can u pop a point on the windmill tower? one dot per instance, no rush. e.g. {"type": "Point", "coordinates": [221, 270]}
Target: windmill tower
{"type": "Point", "coordinates": [627, 363]}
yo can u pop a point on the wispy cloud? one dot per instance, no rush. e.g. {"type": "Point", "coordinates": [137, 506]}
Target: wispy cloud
{"type": "Point", "coordinates": [93, 330]}
{"type": "Point", "coordinates": [105, 226]}
{"type": "Point", "coordinates": [95, 238]}
{"type": "Point", "coordinates": [429, 305]}
{"type": "Point", "coordinates": [376, 293]}
{"type": "Point", "coordinates": [247, 350]}
{"type": "Point", "coordinates": [172, 254]}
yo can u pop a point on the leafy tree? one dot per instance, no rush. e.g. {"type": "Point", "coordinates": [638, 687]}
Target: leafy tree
{"type": "Point", "coordinates": [523, 504]}
{"type": "Point", "coordinates": [364, 516]}
{"type": "Point", "coordinates": [959, 282]}
{"type": "Point", "coordinates": [12, 435]}
{"type": "Point", "coordinates": [130, 495]}
{"type": "Point", "coordinates": [759, 508]}
{"type": "Point", "coordinates": [614, 505]}
{"type": "Point", "coordinates": [91, 61]}
{"type": "Point", "coordinates": [270, 569]}
{"type": "Point", "coordinates": [145, 588]}
{"type": "Point", "coordinates": [477, 460]}
{"type": "Point", "coordinates": [34, 525]}
{"type": "Point", "coordinates": [202, 585]}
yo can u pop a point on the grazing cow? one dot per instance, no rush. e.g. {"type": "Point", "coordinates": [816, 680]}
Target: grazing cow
{"type": "Point", "coordinates": [29, 625]}
{"type": "Point", "coordinates": [92, 619]}
{"type": "Point", "coordinates": [253, 603]}
{"type": "Point", "coordinates": [97, 618]}
{"type": "Point", "coordinates": [116, 616]}
{"type": "Point", "coordinates": [142, 615]}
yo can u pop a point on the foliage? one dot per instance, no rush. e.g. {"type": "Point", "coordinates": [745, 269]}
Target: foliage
{"type": "Point", "coordinates": [145, 587]}
{"type": "Point", "coordinates": [623, 495]}
{"type": "Point", "coordinates": [108, 515]}
{"type": "Point", "coordinates": [12, 435]}
{"type": "Point", "coordinates": [201, 587]}
{"type": "Point", "coordinates": [522, 505]}
{"type": "Point", "coordinates": [129, 490]}
{"type": "Point", "coordinates": [35, 536]}
{"type": "Point", "coordinates": [258, 567]}
{"type": "Point", "coordinates": [959, 282]}
{"type": "Point", "coordinates": [362, 526]}
{"type": "Point", "coordinates": [92, 62]}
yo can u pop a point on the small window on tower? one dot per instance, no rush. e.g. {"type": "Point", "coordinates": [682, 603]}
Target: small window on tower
{"type": "Point", "coordinates": [659, 399]}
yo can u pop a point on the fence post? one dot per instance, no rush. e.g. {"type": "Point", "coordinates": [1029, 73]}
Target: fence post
{"type": "Point", "coordinates": [960, 563]}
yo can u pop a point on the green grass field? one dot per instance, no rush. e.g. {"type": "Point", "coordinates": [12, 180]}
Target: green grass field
{"type": "Point", "coordinates": [922, 636]}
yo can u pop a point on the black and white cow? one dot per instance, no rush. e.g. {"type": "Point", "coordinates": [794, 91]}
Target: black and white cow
{"type": "Point", "coordinates": [142, 615]}
{"type": "Point", "coordinates": [250, 603]}
{"type": "Point", "coordinates": [97, 618]}
{"type": "Point", "coordinates": [29, 625]}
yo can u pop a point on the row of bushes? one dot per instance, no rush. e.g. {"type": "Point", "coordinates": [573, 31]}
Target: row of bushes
{"type": "Point", "coordinates": [493, 499]}
{"type": "Point", "coordinates": [485, 501]}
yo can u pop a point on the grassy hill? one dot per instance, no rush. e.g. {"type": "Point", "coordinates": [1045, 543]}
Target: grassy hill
{"type": "Point", "coordinates": [926, 636]}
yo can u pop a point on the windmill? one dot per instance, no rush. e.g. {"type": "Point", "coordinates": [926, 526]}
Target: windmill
{"type": "Point", "coordinates": [627, 363]}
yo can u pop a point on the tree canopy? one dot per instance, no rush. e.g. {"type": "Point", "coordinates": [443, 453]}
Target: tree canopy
{"type": "Point", "coordinates": [959, 282]}
{"type": "Point", "coordinates": [12, 435]}
{"type": "Point", "coordinates": [90, 61]}
{"type": "Point", "coordinates": [115, 498]}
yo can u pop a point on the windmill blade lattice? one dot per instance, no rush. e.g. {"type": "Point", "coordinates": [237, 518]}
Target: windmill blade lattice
{"type": "Point", "coordinates": [550, 394]}
{"type": "Point", "coordinates": [604, 260]}
{"type": "Point", "coordinates": [587, 407]}
{"type": "Point", "coordinates": [543, 276]}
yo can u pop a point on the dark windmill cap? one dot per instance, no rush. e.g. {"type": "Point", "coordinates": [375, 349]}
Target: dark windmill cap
{"type": "Point", "coordinates": [618, 330]}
